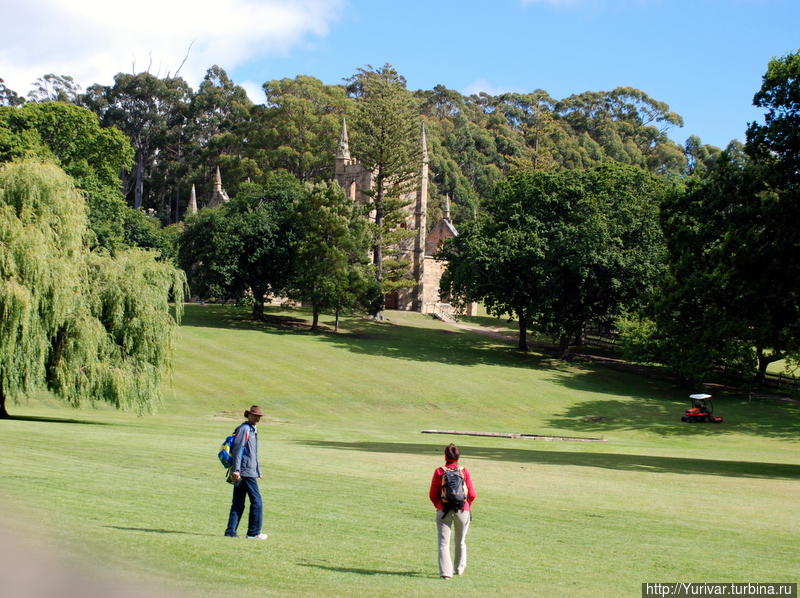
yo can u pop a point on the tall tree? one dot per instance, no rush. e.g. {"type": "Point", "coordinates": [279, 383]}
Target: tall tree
{"type": "Point", "coordinates": [494, 264]}
{"type": "Point", "coordinates": [732, 294]}
{"type": "Point", "coordinates": [731, 297]}
{"type": "Point", "coordinates": [152, 113]}
{"type": "Point", "coordinates": [386, 141]}
{"type": "Point", "coordinates": [700, 157]}
{"type": "Point", "coordinates": [332, 253]}
{"type": "Point", "coordinates": [776, 143]}
{"type": "Point", "coordinates": [9, 97]}
{"type": "Point", "coordinates": [218, 131]}
{"type": "Point", "coordinates": [87, 326]}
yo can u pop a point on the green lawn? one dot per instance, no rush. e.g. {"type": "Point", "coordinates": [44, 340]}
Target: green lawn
{"type": "Point", "coordinates": [347, 470]}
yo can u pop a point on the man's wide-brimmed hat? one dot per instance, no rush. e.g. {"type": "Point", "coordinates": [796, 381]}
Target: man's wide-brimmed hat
{"type": "Point", "coordinates": [254, 410]}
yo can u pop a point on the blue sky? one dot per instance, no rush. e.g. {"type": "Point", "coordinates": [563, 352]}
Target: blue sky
{"type": "Point", "coordinates": [705, 58]}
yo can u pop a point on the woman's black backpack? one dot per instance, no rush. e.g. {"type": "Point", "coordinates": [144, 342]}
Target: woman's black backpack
{"type": "Point", "coordinates": [454, 490]}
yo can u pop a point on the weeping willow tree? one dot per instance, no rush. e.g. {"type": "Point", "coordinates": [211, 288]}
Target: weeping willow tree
{"type": "Point", "coordinates": [87, 326]}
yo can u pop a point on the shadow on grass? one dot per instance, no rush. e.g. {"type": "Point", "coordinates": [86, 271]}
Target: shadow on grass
{"type": "Point", "coordinates": [644, 402]}
{"type": "Point", "coordinates": [53, 420]}
{"type": "Point", "coordinates": [365, 337]}
{"type": "Point", "coordinates": [622, 462]}
{"type": "Point", "coordinates": [153, 530]}
{"type": "Point", "coordinates": [648, 408]}
{"type": "Point", "coordinates": [358, 571]}
{"type": "Point", "coordinates": [231, 317]}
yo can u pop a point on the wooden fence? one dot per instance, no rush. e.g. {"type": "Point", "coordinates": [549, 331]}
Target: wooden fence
{"type": "Point", "coordinates": [609, 340]}
{"type": "Point", "coordinates": [603, 339]}
{"type": "Point", "coordinates": [781, 381]}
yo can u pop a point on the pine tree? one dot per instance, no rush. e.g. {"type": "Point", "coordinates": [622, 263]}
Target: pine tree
{"type": "Point", "coordinates": [387, 143]}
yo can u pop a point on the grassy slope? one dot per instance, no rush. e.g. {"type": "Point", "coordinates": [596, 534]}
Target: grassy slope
{"type": "Point", "coordinates": [347, 469]}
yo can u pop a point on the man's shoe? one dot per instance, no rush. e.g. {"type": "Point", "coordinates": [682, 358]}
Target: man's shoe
{"type": "Point", "coordinates": [258, 537]}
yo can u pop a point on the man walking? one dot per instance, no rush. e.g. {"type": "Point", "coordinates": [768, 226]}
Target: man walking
{"type": "Point", "coordinates": [245, 474]}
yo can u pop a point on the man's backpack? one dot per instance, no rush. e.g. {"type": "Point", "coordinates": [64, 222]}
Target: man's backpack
{"type": "Point", "coordinates": [454, 490]}
{"type": "Point", "coordinates": [224, 454]}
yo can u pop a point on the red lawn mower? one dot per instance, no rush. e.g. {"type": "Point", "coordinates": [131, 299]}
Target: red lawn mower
{"type": "Point", "coordinates": [701, 410]}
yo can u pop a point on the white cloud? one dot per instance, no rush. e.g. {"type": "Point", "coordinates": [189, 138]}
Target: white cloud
{"type": "Point", "coordinates": [92, 40]}
{"type": "Point", "coordinates": [254, 91]}
{"type": "Point", "coordinates": [483, 85]}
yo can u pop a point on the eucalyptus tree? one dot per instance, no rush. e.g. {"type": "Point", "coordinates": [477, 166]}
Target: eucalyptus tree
{"type": "Point", "coordinates": [9, 97]}
{"type": "Point", "coordinates": [700, 157]}
{"type": "Point", "coordinates": [55, 88]}
{"type": "Point", "coordinates": [298, 127]}
{"type": "Point", "coordinates": [83, 324]}
{"type": "Point", "coordinates": [152, 112]}
{"type": "Point", "coordinates": [219, 126]}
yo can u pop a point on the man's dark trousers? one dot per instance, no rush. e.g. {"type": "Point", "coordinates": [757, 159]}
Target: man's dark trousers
{"type": "Point", "coordinates": [245, 487]}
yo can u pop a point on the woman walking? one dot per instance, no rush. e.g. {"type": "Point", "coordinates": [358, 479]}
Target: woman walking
{"type": "Point", "coordinates": [452, 493]}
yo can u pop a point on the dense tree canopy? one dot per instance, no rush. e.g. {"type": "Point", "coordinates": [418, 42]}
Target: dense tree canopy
{"type": "Point", "coordinates": [92, 155]}
{"type": "Point", "coordinates": [247, 246]}
{"type": "Point", "coordinates": [152, 112]}
{"type": "Point", "coordinates": [776, 143]}
{"type": "Point", "coordinates": [181, 135]}
{"type": "Point", "coordinates": [731, 294]}
{"type": "Point", "coordinates": [561, 249]}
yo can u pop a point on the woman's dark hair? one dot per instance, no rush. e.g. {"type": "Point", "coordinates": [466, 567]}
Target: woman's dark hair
{"type": "Point", "coordinates": [451, 452]}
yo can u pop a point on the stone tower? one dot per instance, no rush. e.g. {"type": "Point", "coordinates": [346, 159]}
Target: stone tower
{"type": "Point", "coordinates": [218, 197]}
{"type": "Point", "coordinates": [421, 226]}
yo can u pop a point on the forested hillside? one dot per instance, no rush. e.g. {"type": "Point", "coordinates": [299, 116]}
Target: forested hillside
{"type": "Point", "coordinates": [180, 135]}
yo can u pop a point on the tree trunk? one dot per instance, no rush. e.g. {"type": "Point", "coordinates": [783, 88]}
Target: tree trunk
{"type": "Point", "coordinates": [523, 330]}
{"type": "Point", "coordinates": [3, 413]}
{"type": "Point", "coordinates": [336, 326]}
{"type": "Point", "coordinates": [315, 317]}
{"type": "Point", "coordinates": [138, 188]}
{"type": "Point", "coordinates": [258, 308]}
{"type": "Point", "coordinates": [563, 346]}
{"type": "Point", "coordinates": [580, 337]}
{"type": "Point", "coordinates": [763, 361]}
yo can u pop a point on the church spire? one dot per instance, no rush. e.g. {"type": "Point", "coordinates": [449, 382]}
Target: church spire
{"type": "Point", "coordinates": [447, 208]}
{"type": "Point", "coordinates": [343, 152]}
{"type": "Point", "coordinates": [192, 202]}
{"type": "Point", "coordinates": [218, 197]}
{"type": "Point", "coordinates": [424, 142]}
